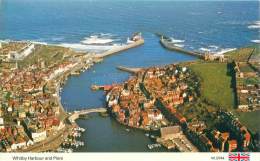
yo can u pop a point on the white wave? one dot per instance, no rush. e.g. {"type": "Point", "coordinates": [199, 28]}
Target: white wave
{"type": "Point", "coordinates": [204, 49]}
{"type": "Point", "coordinates": [82, 47]}
{"type": "Point", "coordinates": [39, 42]}
{"type": "Point", "coordinates": [222, 51]}
{"type": "Point", "coordinates": [256, 41]}
{"type": "Point", "coordinates": [255, 25]}
{"type": "Point", "coordinates": [176, 40]}
{"type": "Point", "coordinates": [57, 38]}
{"type": "Point", "coordinates": [3, 41]}
{"type": "Point", "coordinates": [179, 45]}
{"type": "Point", "coordinates": [106, 34]}
{"type": "Point", "coordinates": [213, 46]}
{"type": "Point", "coordinates": [96, 40]}
{"type": "Point", "coordinates": [100, 38]}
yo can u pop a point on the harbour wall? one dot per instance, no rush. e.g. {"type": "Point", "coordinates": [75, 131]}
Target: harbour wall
{"type": "Point", "coordinates": [128, 69]}
{"type": "Point", "coordinates": [170, 46]}
{"type": "Point", "coordinates": [121, 48]}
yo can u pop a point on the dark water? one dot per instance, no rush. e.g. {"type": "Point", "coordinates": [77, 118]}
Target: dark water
{"type": "Point", "coordinates": [212, 25]}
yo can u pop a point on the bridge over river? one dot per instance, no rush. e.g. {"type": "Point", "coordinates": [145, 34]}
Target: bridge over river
{"type": "Point", "coordinates": [75, 115]}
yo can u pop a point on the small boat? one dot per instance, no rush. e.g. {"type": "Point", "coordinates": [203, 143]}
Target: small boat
{"type": "Point", "coordinates": [151, 146]}
{"type": "Point", "coordinates": [128, 130]}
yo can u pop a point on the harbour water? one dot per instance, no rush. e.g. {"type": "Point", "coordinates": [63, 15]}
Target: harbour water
{"type": "Point", "coordinates": [201, 26]}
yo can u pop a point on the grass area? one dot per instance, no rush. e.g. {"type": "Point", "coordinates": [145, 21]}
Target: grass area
{"type": "Point", "coordinates": [216, 83]}
{"type": "Point", "coordinates": [241, 54]}
{"type": "Point", "coordinates": [253, 80]}
{"type": "Point", "coordinates": [245, 68]}
{"type": "Point", "coordinates": [256, 53]}
{"type": "Point", "coordinates": [250, 120]}
{"type": "Point", "coordinates": [49, 54]}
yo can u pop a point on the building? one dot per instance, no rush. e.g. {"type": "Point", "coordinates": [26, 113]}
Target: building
{"type": "Point", "coordinates": [24, 52]}
{"type": "Point", "coordinates": [38, 135]}
{"type": "Point", "coordinates": [232, 145]}
{"type": "Point", "coordinates": [170, 132]}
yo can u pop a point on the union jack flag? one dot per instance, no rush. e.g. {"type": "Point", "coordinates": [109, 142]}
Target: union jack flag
{"type": "Point", "coordinates": [239, 156]}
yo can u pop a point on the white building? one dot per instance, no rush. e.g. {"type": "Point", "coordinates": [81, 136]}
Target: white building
{"type": "Point", "coordinates": [1, 121]}
{"type": "Point", "coordinates": [39, 136]}
{"type": "Point", "coordinates": [20, 55]}
{"type": "Point", "coordinates": [18, 145]}
{"type": "Point", "coordinates": [29, 142]}
{"type": "Point", "coordinates": [60, 70]}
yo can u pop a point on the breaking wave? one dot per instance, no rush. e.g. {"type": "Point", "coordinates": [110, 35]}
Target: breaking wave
{"type": "Point", "coordinates": [255, 25]}
{"type": "Point", "coordinates": [99, 39]}
{"type": "Point", "coordinates": [39, 42]}
{"type": "Point", "coordinates": [222, 51]}
{"type": "Point", "coordinates": [179, 45]}
{"type": "Point", "coordinates": [94, 43]}
{"type": "Point", "coordinates": [89, 48]}
{"type": "Point", "coordinates": [204, 49]}
{"type": "Point", "coordinates": [216, 50]}
{"type": "Point", "coordinates": [256, 41]}
{"type": "Point", "coordinates": [176, 40]}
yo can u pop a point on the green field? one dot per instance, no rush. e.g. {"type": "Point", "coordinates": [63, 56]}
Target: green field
{"type": "Point", "coordinates": [241, 55]}
{"type": "Point", "coordinates": [49, 54]}
{"type": "Point", "coordinates": [250, 119]}
{"type": "Point", "coordinates": [216, 86]}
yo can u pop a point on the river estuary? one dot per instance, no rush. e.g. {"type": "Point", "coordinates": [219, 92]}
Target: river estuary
{"type": "Point", "coordinates": [104, 133]}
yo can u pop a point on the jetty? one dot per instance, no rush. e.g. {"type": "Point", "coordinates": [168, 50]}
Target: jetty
{"type": "Point", "coordinates": [167, 44]}
{"type": "Point", "coordinates": [128, 69]}
{"type": "Point", "coordinates": [135, 41]}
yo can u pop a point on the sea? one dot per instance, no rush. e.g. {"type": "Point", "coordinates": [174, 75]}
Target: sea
{"type": "Point", "coordinates": [215, 26]}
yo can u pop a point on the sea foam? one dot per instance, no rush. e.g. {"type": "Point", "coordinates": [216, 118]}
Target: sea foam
{"type": "Point", "coordinates": [256, 41]}
{"type": "Point", "coordinates": [222, 51]}
{"type": "Point", "coordinates": [255, 25]}
{"type": "Point", "coordinates": [99, 39]}
{"type": "Point", "coordinates": [176, 40]}
{"type": "Point", "coordinates": [216, 50]}
{"type": "Point", "coordinates": [88, 48]}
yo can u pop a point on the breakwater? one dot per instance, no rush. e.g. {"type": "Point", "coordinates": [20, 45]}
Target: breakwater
{"type": "Point", "coordinates": [170, 46]}
{"type": "Point", "coordinates": [121, 48]}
